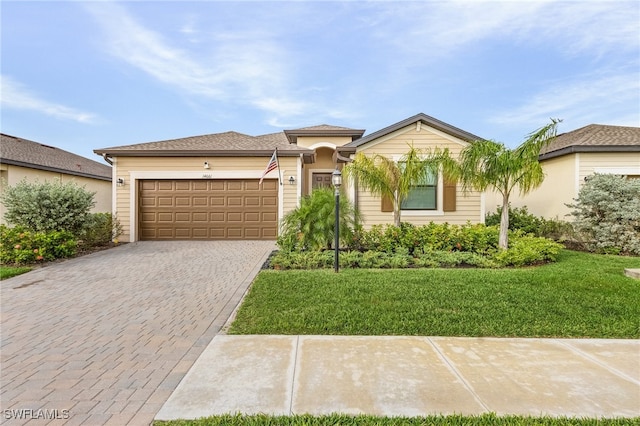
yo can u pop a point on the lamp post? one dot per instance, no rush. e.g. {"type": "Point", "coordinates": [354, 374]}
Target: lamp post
{"type": "Point", "coordinates": [336, 179]}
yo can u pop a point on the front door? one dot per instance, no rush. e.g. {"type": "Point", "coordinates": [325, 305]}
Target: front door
{"type": "Point", "coordinates": [321, 180]}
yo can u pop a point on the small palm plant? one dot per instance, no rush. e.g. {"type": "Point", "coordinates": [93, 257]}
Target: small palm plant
{"type": "Point", "coordinates": [311, 226]}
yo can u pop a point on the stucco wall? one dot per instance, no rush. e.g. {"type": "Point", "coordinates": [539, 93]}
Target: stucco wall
{"type": "Point", "coordinates": [314, 141]}
{"type": "Point", "coordinates": [11, 175]}
{"type": "Point", "coordinates": [132, 169]}
{"type": "Point", "coordinates": [469, 207]}
{"type": "Point", "coordinates": [564, 176]}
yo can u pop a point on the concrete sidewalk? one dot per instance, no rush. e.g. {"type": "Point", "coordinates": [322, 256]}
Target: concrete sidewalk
{"type": "Point", "coordinates": [410, 376]}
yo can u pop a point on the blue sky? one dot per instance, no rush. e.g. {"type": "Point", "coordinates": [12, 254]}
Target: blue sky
{"type": "Point", "coordinates": [88, 75]}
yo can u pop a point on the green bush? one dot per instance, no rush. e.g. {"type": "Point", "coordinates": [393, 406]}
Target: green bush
{"type": "Point", "coordinates": [312, 225]}
{"type": "Point", "coordinates": [476, 238]}
{"type": "Point", "coordinates": [519, 219]}
{"type": "Point", "coordinates": [21, 246]}
{"type": "Point", "coordinates": [607, 213]}
{"type": "Point", "coordinates": [528, 250]}
{"type": "Point", "coordinates": [48, 206]}
{"type": "Point", "coordinates": [100, 229]}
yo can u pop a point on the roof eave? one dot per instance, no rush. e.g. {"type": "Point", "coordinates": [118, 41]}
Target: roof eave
{"type": "Point", "coordinates": [292, 135]}
{"type": "Point", "coordinates": [588, 148]}
{"type": "Point", "coordinates": [200, 153]}
{"type": "Point", "coordinates": [54, 169]}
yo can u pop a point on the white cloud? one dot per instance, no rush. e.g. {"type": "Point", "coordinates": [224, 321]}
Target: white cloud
{"type": "Point", "coordinates": [240, 68]}
{"type": "Point", "coordinates": [17, 96]}
{"type": "Point", "coordinates": [588, 100]}
{"type": "Point", "coordinates": [570, 26]}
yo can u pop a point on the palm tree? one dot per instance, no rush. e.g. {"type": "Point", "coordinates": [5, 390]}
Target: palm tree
{"type": "Point", "coordinates": [489, 164]}
{"type": "Point", "coordinates": [385, 177]}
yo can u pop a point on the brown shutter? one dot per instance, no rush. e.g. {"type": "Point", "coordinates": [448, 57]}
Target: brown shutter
{"type": "Point", "coordinates": [449, 196]}
{"type": "Point", "coordinates": [386, 204]}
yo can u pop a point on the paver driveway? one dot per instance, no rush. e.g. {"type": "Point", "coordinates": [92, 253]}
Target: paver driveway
{"type": "Point", "coordinates": [106, 338]}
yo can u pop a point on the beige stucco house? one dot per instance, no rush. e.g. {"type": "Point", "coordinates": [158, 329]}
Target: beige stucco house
{"type": "Point", "coordinates": [569, 161]}
{"type": "Point", "coordinates": [22, 159]}
{"type": "Point", "coordinates": [207, 187]}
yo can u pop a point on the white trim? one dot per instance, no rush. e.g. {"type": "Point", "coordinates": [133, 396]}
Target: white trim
{"type": "Point", "coordinates": [299, 182]}
{"type": "Point", "coordinates": [439, 202]}
{"type": "Point", "coordinates": [323, 145]}
{"type": "Point", "coordinates": [407, 129]}
{"type": "Point", "coordinates": [114, 188]}
{"type": "Point", "coordinates": [134, 176]}
{"type": "Point", "coordinates": [483, 206]}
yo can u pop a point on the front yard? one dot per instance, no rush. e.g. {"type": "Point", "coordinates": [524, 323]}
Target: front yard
{"type": "Point", "coordinates": [581, 296]}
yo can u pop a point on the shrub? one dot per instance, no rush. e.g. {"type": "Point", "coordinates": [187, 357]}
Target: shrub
{"type": "Point", "coordinates": [100, 229]}
{"type": "Point", "coordinates": [528, 250]}
{"type": "Point", "coordinates": [19, 245]}
{"type": "Point", "coordinates": [607, 212]}
{"type": "Point", "coordinates": [519, 218]}
{"type": "Point", "coordinates": [312, 225]}
{"type": "Point", "coordinates": [48, 206]}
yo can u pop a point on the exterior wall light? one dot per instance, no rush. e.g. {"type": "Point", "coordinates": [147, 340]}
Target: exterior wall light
{"type": "Point", "coordinates": [206, 165]}
{"type": "Point", "coordinates": [292, 180]}
{"type": "Point", "coordinates": [120, 182]}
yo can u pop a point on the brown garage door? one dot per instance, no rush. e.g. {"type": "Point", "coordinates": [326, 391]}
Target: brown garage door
{"type": "Point", "coordinates": [208, 209]}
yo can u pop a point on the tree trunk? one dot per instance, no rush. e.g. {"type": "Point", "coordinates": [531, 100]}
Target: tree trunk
{"type": "Point", "coordinates": [503, 241]}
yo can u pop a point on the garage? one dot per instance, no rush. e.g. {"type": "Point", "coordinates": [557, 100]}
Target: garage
{"type": "Point", "coordinates": [208, 209]}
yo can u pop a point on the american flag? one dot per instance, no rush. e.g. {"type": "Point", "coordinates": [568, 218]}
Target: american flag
{"type": "Point", "coordinates": [273, 164]}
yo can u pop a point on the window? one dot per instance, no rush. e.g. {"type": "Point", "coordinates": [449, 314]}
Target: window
{"type": "Point", "coordinates": [423, 196]}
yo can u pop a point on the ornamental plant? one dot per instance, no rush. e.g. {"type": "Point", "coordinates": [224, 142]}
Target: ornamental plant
{"type": "Point", "coordinates": [47, 206]}
{"type": "Point", "coordinates": [607, 212]}
{"type": "Point", "coordinates": [21, 246]}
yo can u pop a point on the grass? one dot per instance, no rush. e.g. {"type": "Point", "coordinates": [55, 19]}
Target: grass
{"type": "Point", "coordinates": [12, 271]}
{"type": "Point", "coordinates": [581, 296]}
{"type": "Point", "coordinates": [345, 420]}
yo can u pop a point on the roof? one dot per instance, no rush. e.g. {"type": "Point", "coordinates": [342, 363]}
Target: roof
{"type": "Point", "coordinates": [425, 119]}
{"type": "Point", "coordinates": [594, 138]}
{"type": "Point", "coordinates": [323, 130]}
{"type": "Point", "coordinates": [217, 144]}
{"type": "Point", "coordinates": [25, 153]}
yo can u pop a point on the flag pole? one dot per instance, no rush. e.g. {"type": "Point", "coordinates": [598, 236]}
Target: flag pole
{"type": "Point", "coordinates": [279, 172]}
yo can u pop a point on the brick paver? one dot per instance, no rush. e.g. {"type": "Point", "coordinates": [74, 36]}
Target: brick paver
{"type": "Point", "coordinates": [106, 338]}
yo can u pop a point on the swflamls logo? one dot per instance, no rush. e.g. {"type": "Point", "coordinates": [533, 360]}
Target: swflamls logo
{"type": "Point", "coordinates": [40, 414]}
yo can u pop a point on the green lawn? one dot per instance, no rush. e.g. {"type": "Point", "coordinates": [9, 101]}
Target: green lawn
{"type": "Point", "coordinates": [345, 420]}
{"type": "Point", "coordinates": [11, 271]}
{"type": "Point", "coordinates": [582, 295]}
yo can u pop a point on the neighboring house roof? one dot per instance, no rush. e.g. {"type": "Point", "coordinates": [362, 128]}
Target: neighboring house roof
{"type": "Point", "coordinates": [227, 144]}
{"type": "Point", "coordinates": [25, 153]}
{"type": "Point", "coordinates": [594, 138]}
{"type": "Point", "coordinates": [423, 118]}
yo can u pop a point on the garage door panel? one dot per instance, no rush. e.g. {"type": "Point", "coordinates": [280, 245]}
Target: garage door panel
{"type": "Point", "coordinates": [208, 209]}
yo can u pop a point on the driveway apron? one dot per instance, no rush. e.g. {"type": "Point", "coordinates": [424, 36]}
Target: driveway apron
{"type": "Point", "coordinates": [106, 338]}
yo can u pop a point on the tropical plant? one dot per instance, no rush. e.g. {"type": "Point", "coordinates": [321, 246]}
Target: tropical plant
{"type": "Point", "coordinates": [387, 178]}
{"type": "Point", "coordinates": [312, 225]}
{"type": "Point", "coordinates": [489, 164]}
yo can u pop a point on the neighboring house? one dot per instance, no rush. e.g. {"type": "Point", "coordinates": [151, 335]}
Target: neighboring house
{"type": "Point", "coordinates": [569, 161]}
{"type": "Point", "coordinates": [22, 159]}
{"type": "Point", "coordinates": [207, 187]}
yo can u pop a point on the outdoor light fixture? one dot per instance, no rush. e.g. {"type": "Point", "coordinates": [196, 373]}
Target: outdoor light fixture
{"type": "Point", "coordinates": [120, 182]}
{"type": "Point", "coordinates": [206, 165]}
{"type": "Point", "coordinates": [336, 179]}
{"type": "Point", "coordinates": [292, 180]}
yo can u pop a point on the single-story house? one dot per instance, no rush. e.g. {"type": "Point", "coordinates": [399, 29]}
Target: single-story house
{"type": "Point", "coordinates": [568, 162]}
{"type": "Point", "coordinates": [207, 187]}
{"type": "Point", "coordinates": [22, 159]}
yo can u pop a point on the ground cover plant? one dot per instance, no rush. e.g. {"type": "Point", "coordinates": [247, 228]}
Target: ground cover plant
{"type": "Point", "coordinates": [488, 419]}
{"type": "Point", "coordinates": [12, 271]}
{"type": "Point", "coordinates": [583, 295]}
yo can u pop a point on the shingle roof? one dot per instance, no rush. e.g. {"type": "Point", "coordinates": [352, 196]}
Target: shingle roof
{"type": "Point", "coordinates": [227, 143]}
{"type": "Point", "coordinates": [26, 153]}
{"type": "Point", "coordinates": [424, 118]}
{"type": "Point", "coordinates": [594, 138]}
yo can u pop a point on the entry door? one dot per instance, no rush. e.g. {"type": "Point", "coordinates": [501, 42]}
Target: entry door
{"type": "Point", "coordinates": [321, 180]}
